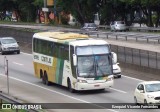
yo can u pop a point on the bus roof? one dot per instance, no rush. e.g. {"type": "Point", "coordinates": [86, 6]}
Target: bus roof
{"type": "Point", "coordinates": [88, 42]}
{"type": "Point", "coordinates": [60, 36]}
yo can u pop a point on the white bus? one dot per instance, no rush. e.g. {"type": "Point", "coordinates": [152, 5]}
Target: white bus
{"type": "Point", "coordinates": [72, 60]}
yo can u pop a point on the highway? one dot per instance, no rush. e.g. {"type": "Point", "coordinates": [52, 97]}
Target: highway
{"type": "Point", "coordinates": [25, 86]}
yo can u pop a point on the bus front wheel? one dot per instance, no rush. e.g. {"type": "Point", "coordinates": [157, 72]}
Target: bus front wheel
{"type": "Point", "coordinates": [69, 86]}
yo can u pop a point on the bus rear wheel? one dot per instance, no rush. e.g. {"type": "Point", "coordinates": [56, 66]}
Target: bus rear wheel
{"type": "Point", "coordinates": [45, 79]}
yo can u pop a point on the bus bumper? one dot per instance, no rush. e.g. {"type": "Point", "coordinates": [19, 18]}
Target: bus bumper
{"type": "Point", "coordinates": [93, 86]}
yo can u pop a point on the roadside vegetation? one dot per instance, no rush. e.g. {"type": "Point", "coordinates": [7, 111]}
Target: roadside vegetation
{"type": "Point", "coordinates": [145, 12]}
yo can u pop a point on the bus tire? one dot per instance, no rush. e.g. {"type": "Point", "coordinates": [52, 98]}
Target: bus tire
{"type": "Point", "coordinates": [46, 79]}
{"type": "Point", "coordinates": [69, 86]}
{"type": "Point", "coordinates": [43, 79]}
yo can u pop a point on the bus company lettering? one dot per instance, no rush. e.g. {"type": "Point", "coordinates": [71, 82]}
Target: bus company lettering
{"type": "Point", "coordinates": [46, 59]}
{"type": "Point", "coordinates": [36, 57]}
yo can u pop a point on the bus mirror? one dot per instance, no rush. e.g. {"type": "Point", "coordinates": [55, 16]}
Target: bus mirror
{"type": "Point", "coordinates": [74, 60]}
{"type": "Point", "coordinates": [114, 57]}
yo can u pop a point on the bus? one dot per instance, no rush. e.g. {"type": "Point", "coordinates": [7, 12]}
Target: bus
{"type": "Point", "coordinates": [72, 60]}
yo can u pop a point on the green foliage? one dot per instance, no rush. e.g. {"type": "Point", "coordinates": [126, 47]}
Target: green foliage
{"type": "Point", "coordinates": [64, 20]}
{"type": "Point", "coordinates": [27, 11]}
{"type": "Point", "coordinates": [6, 5]}
{"type": "Point", "coordinates": [38, 3]}
{"type": "Point", "coordinates": [84, 10]}
{"type": "Point", "coordinates": [154, 18]}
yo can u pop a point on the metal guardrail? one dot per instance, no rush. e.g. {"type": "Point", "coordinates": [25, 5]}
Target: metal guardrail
{"type": "Point", "coordinates": [126, 36]}
{"type": "Point", "coordinates": [149, 29]}
{"type": "Point", "coordinates": [13, 100]}
{"type": "Point", "coordinates": [137, 56]}
{"type": "Point", "coordinates": [103, 26]}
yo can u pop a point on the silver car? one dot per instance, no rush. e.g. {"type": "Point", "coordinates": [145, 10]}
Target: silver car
{"type": "Point", "coordinates": [90, 27]}
{"type": "Point", "coordinates": [9, 45]}
{"type": "Point", "coordinates": [118, 26]}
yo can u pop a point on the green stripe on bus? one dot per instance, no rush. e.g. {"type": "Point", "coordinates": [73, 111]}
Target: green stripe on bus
{"type": "Point", "coordinates": [57, 70]}
{"type": "Point", "coordinates": [61, 67]}
{"type": "Point", "coordinates": [98, 78]}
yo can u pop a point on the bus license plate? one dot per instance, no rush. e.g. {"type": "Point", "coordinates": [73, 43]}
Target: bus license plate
{"type": "Point", "coordinates": [96, 85]}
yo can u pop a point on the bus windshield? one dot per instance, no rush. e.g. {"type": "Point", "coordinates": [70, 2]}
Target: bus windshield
{"type": "Point", "coordinates": [94, 63]}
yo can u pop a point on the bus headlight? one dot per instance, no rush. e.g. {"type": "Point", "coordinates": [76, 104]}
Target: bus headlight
{"type": "Point", "coordinates": [81, 81]}
{"type": "Point", "coordinates": [109, 79]}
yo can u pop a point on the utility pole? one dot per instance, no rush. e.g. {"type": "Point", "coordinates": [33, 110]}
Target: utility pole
{"type": "Point", "coordinates": [55, 11]}
{"type": "Point", "coordinates": [45, 12]}
{"type": "Point", "coordinates": [6, 71]}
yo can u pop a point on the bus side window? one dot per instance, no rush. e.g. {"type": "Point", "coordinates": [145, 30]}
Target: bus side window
{"type": "Point", "coordinates": [45, 47]}
{"type": "Point", "coordinates": [34, 43]}
{"type": "Point", "coordinates": [56, 47]}
{"type": "Point", "coordinates": [71, 61]}
{"type": "Point", "coordinates": [52, 46]}
{"type": "Point", "coordinates": [49, 49]}
{"type": "Point", "coordinates": [61, 52]}
{"type": "Point", "coordinates": [66, 52]}
{"type": "Point", "coordinates": [38, 47]}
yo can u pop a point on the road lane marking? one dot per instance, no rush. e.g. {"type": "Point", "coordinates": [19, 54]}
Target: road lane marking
{"type": "Point", "coordinates": [18, 63]}
{"type": "Point", "coordinates": [132, 78]}
{"type": "Point", "coordinates": [58, 93]}
{"type": "Point", "coordinates": [26, 53]}
{"type": "Point", "coordinates": [118, 90]}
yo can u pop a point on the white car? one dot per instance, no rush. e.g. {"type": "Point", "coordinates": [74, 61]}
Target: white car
{"type": "Point", "coordinates": [147, 92]}
{"type": "Point", "coordinates": [116, 70]}
{"type": "Point", "coordinates": [118, 26]}
{"type": "Point", "coordinates": [9, 44]}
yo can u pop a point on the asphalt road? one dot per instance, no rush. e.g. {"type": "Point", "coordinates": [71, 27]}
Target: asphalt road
{"type": "Point", "coordinates": [26, 87]}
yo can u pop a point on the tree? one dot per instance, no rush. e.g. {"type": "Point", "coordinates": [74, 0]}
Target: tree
{"type": "Point", "coordinates": [38, 4]}
{"type": "Point", "coordinates": [5, 5]}
{"type": "Point", "coordinates": [82, 10]}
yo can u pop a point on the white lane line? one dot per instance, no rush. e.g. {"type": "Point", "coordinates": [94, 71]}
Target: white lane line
{"type": "Point", "coordinates": [118, 90]}
{"type": "Point", "coordinates": [58, 93]}
{"type": "Point", "coordinates": [132, 78]}
{"type": "Point", "coordinates": [18, 63]}
{"type": "Point", "coordinates": [26, 53]}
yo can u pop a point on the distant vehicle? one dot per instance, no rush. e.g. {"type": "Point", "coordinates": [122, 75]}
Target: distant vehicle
{"type": "Point", "coordinates": [9, 45]}
{"type": "Point", "coordinates": [72, 21]}
{"type": "Point", "coordinates": [96, 19]}
{"type": "Point", "coordinates": [148, 93]}
{"type": "Point", "coordinates": [72, 60]}
{"type": "Point", "coordinates": [116, 70]}
{"type": "Point", "coordinates": [90, 27]}
{"type": "Point", "coordinates": [118, 26]}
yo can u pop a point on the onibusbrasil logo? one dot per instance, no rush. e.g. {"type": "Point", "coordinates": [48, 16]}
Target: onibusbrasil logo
{"type": "Point", "coordinates": [20, 106]}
